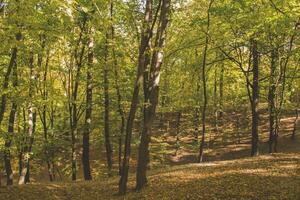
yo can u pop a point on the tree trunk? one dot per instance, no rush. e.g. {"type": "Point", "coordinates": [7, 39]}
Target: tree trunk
{"type": "Point", "coordinates": [144, 45]}
{"type": "Point", "coordinates": [216, 111]}
{"type": "Point", "coordinates": [152, 93]}
{"type": "Point", "coordinates": [25, 175]}
{"type": "Point", "coordinates": [197, 111]}
{"type": "Point", "coordinates": [21, 143]}
{"type": "Point", "coordinates": [271, 99]}
{"type": "Point", "coordinates": [88, 114]}
{"type": "Point", "coordinates": [293, 137]}
{"type": "Point", "coordinates": [73, 108]}
{"type": "Point", "coordinates": [282, 80]}
{"type": "Point", "coordinates": [177, 132]}
{"type": "Point", "coordinates": [204, 81]}
{"type": "Point", "coordinates": [12, 115]}
{"type": "Point", "coordinates": [117, 87]}
{"type": "Point", "coordinates": [43, 114]}
{"type": "Point", "coordinates": [108, 146]}
{"type": "Point", "coordinates": [221, 109]}
{"type": "Point", "coordinates": [255, 97]}
{"type": "Point", "coordinates": [12, 62]}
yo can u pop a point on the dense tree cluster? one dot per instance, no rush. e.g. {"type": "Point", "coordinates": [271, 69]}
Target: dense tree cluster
{"type": "Point", "coordinates": [78, 73]}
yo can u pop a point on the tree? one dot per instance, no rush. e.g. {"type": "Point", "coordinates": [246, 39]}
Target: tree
{"type": "Point", "coordinates": [151, 92]}
{"type": "Point", "coordinates": [25, 175]}
{"type": "Point", "coordinates": [255, 99]}
{"type": "Point", "coordinates": [10, 131]}
{"type": "Point", "coordinates": [143, 48]}
{"type": "Point", "coordinates": [88, 111]}
{"type": "Point", "coordinates": [204, 82]}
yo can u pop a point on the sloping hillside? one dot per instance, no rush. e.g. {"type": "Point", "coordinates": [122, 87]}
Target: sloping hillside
{"type": "Point", "coordinates": [271, 177]}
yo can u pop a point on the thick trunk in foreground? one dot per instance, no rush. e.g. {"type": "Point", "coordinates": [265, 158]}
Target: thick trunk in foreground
{"type": "Point", "coordinates": [152, 94]}
{"type": "Point", "coordinates": [255, 96]}
{"type": "Point", "coordinates": [135, 97]}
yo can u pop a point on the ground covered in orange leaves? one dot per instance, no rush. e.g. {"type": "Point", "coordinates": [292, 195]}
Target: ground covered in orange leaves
{"type": "Point", "coordinates": [269, 177]}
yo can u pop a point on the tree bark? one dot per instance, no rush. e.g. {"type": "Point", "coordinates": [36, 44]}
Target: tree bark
{"type": "Point", "coordinates": [204, 81]}
{"type": "Point", "coordinates": [25, 175]}
{"type": "Point", "coordinates": [197, 111]}
{"type": "Point", "coordinates": [88, 114]}
{"type": "Point", "coordinates": [11, 64]}
{"type": "Point", "coordinates": [282, 80]}
{"type": "Point", "coordinates": [43, 113]}
{"type": "Point", "coordinates": [117, 87]}
{"type": "Point", "coordinates": [108, 146]}
{"type": "Point", "coordinates": [151, 95]}
{"type": "Point", "coordinates": [144, 45]}
{"type": "Point", "coordinates": [293, 137]}
{"type": "Point", "coordinates": [216, 110]}
{"type": "Point", "coordinates": [255, 99]}
{"type": "Point", "coordinates": [179, 114]}
{"type": "Point", "coordinates": [73, 107]}
{"type": "Point", "coordinates": [271, 99]}
{"type": "Point", "coordinates": [221, 93]}
{"type": "Point", "coordinates": [11, 122]}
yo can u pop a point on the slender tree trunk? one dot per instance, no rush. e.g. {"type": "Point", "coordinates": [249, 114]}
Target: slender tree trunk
{"type": "Point", "coordinates": [204, 81]}
{"type": "Point", "coordinates": [282, 80]}
{"type": "Point", "coordinates": [221, 109]}
{"type": "Point", "coordinates": [5, 83]}
{"type": "Point", "coordinates": [271, 100]}
{"type": "Point", "coordinates": [12, 115]}
{"type": "Point", "coordinates": [178, 131]}
{"type": "Point", "coordinates": [197, 111]}
{"type": "Point", "coordinates": [88, 114]}
{"type": "Point", "coordinates": [117, 87]}
{"type": "Point", "coordinates": [22, 143]}
{"type": "Point", "coordinates": [144, 45]}
{"type": "Point", "coordinates": [293, 137]}
{"type": "Point", "coordinates": [122, 115]}
{"type": "Point", "coordinates": [25, 175]}
{"type": "Point", "coordinates": [11, 64]}
{"type": "Point", "coordinates": [216, 111]}
{"type": "Point", "coordinates": [73, 108]}
{"type": "Point", "coordinates": [255, 99]}
{"type": "Point", "coordinates": [108, 146]}
{"type": "Point", "coordinates": [152, 93]}
{"type": "Point", "coordinates": [43, 114]}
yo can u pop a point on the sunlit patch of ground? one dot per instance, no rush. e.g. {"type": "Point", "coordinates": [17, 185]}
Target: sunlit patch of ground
{"type": "Point", "coordinates": [275, 176]}
{"type": "Point", "coordinates": [227, 173]}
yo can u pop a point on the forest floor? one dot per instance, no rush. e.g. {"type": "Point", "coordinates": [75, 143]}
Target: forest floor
{"type": "Point", "coordinates": [266, 177]}
{"type": "Point", "coordinates": [227, 173]}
